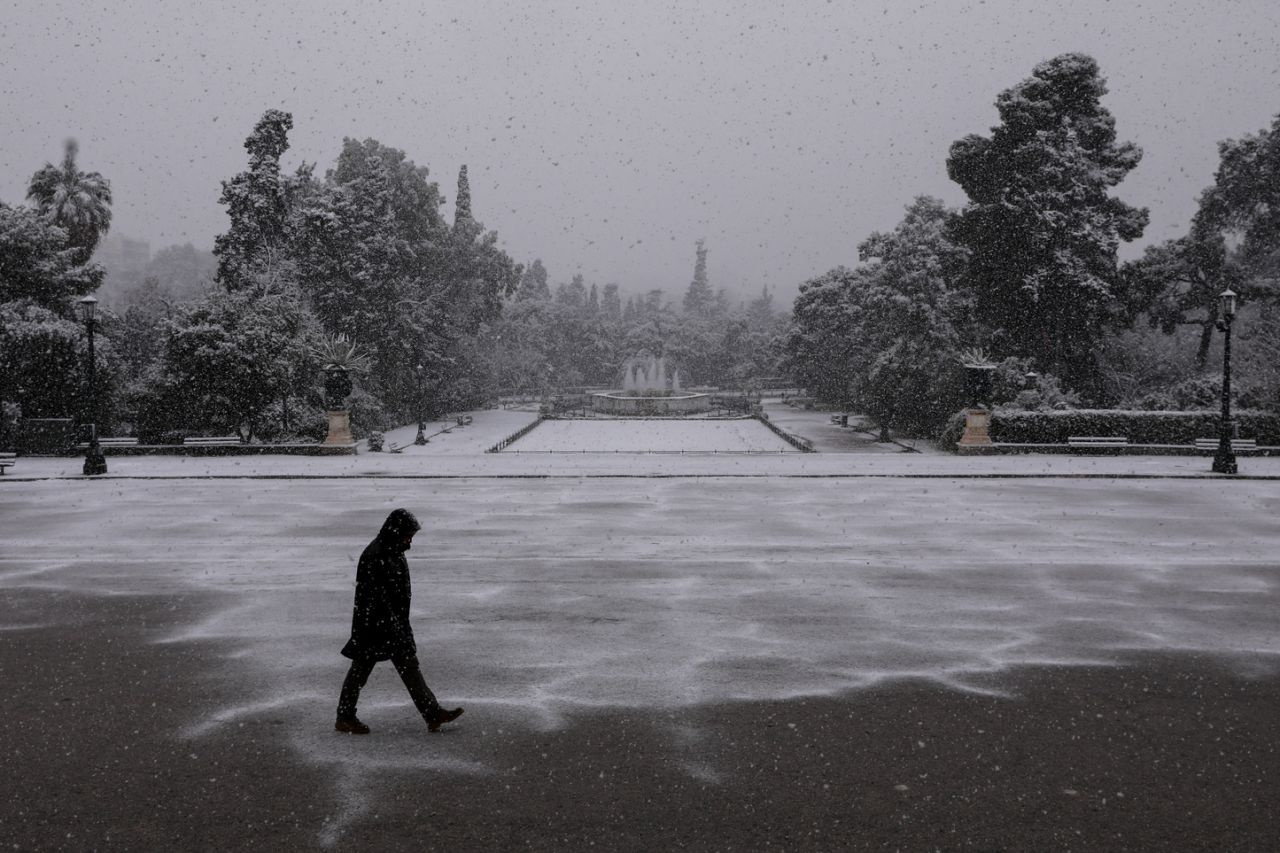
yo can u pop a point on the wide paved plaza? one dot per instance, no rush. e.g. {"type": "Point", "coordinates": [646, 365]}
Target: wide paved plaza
{"type": "Point", "coordinates": [737, 657]}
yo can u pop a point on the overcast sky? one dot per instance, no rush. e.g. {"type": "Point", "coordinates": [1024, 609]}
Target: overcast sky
{"type": "Point", "coordinates": [605, 137]}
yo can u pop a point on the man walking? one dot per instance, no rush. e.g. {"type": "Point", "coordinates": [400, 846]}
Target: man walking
{"type": "Point", "coordinates": [380, 626]}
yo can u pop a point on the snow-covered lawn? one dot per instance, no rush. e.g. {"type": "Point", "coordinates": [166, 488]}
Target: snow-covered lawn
{"type": "Point", "coordinates": [651, 435]}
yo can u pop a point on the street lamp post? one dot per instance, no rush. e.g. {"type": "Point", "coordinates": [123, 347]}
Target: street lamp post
{"type": "Point", "coordinates": [422, 425]}
{"type": "Point", "coordinates": [94, 461]}
{"type": "Point", "coordinates": [1224, 461]}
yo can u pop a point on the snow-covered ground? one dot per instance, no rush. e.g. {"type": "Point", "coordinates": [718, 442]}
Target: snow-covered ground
{"type": "Point", "coordinates": [651, 435]}
{"type": "Point", "coordinates": [536, 596]}
{"type": "Point", "coordinates": [549, 582]}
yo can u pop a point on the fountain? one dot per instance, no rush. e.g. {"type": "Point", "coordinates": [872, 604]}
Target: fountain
{"type": "Point", "coordinates": [646, 390]}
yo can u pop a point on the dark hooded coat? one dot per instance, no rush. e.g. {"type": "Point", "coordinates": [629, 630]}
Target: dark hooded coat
{"type": "Point", "coordinates": [380, 627]}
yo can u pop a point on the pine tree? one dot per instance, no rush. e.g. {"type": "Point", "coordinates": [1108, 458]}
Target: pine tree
{"type": "Point", "coordinates": [610, 302]}
{"type": "Point", "coordinates": [760, 311]}
{"type": "Point", "coordinates": [533, 284]}
{"type": "Point", "coordinates": [1245, 199]}
{"type": "Point", "coordinates": [593, 301]}
{"type": "Point", "coordinates": [573, 294]}
{"type": "Point", "coordinates": [699, 296]}
{"type": "Point", "coordinates": [1041, 225]}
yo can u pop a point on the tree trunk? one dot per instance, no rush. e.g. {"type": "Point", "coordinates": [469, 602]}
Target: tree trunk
{"type": "Point", "coordinates": [1206, 337]}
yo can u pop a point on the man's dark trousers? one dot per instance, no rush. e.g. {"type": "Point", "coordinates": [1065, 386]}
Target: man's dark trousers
{"type": "Point", "coordinates": [410, 673]}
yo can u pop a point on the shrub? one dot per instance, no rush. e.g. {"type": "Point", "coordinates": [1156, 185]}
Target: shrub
{"type": "Point", "coordinates": [376, 440]}
{"type": "Point", "coordinates": [305, 422]}
{"type": "Point", "coordinates": [1010, 388]}
{"type": "Point", "coordinates": [1201, 392]}
{"type": "Point", "coordinates": [10, 418]}
{"type": "Point", "coordinates": [367, 413]}
{"type": "Point", "coordinates": [1138, 426]}
{"type": "Point", "coordinates": [949, 438]}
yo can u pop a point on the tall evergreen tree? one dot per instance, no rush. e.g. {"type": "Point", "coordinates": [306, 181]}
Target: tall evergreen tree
{"type": "Point", "coordinates": [699, 297]}
{"type": "Point", "coordinates": [462, 204]}
{"type": "Point", "coordinates": [610, 302]}
{"type": "Point", "coordinates": [1041, 225]}
{"type": "Point", "coordinates": [533, 284]}
{"type": "Point", "coordinates": [253, 251]}
{"type": "Point", "coordinates": [573, 294]}
{"type": "Point", "coordinates": [36, 262]}
{"type": "Point", "coordinates": [760, 311]}
{"type": "Point", "coordinates": [1245, 201]}
{"type": "Point", "coordinates": [414, 198]}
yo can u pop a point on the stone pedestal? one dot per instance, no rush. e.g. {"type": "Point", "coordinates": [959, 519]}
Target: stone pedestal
{"type": "Point", "coordinates": [339, 428]}
{"type": "Point", "coordinates": [977, 423]}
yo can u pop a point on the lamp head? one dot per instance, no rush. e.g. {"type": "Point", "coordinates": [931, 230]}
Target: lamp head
{"type": "Point", "coordinates": [1228, 303]}
{"type": "Point", "coordinates": [88, 308]}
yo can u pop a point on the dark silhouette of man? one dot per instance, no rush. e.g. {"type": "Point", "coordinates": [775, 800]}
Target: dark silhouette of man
{"type": "Point", "coordinates": [380, 626]}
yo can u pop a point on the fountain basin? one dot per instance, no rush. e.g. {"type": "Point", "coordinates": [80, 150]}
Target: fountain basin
{"type": "Point", "coordinates": [625, 403]}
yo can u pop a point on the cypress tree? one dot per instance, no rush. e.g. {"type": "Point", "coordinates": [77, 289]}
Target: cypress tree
{"type": "Point", "coordinates": [462, 204]}
{"type": "Point", "coordinates": [698, 297]}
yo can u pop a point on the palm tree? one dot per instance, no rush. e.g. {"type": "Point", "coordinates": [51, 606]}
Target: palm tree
{"type": "Point", "coordinates": [79, 202]}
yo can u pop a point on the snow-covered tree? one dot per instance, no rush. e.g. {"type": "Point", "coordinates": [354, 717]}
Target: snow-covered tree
{"type": "Point", "coordinates": [462, 204]}
{"type": "Point", "coordinates": [699, 297]}
{"type": "Point", "coordinates": [533, 283]}
{"type": "Point", "coordinates": [573, 294]}
{"type": "Point", "coordinates": [1177, 283]}
{"type": "Point", "coordinates": [37, 262]}
{"type": "Point", "coordinates": [253, 252]}
{"type": "Point", "coordinates": [1245, 200]}
{"type": "Point", "coordinates": [1041, 225]}
{"type": "Point", "coordinates": [77, 202]}
{"type": "Point", "coordinates": [228, 361]}
{"type": "Point", "coordinates": [43, 360]}
{"type": "Point", "coordinates": [610, 302]}
{"type": "Point", "coordinates": [883, 338]}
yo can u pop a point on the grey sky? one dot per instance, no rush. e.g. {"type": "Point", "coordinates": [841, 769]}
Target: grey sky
{"type": "Point", "coordinates": [606, 137]}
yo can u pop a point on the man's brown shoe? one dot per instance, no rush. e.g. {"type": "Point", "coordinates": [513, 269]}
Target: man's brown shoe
{"type": "Point", "coordinates": [351, 726]}
{"type": "Point", "coordinates": [439, 718]}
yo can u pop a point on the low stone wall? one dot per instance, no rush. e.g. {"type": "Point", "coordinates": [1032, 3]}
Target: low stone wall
{"type": "Point", "coordinates": [222, 450]}
{"type": "Point", "coordinates": [619, 404]}
{"type": "Point", "coordinates": [1002, 448]}
{"type": "Point", "coordinates": [800, 443]}
{"type": "Point", "coordinates": [515, 436]}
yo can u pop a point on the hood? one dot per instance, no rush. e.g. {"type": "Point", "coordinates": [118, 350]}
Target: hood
{"type": "Point", "coordinates": [398, 523]}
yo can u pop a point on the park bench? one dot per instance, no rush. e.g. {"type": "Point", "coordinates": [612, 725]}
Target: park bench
{"type": "Point", "coordinates": [840, 420]}
{"type": "Point", "coordinates": [464, 420]}
{"type": "Point", "coordinates": [1097, 441]}
{"type": "Point", "coordinates": [1236, 444]}
{"type": "Point", "coordinates": [6, 460]}
{"type": "Point", "coordinates": [211, 440]}
{"type": "Point", "coordinates": [125, 441]}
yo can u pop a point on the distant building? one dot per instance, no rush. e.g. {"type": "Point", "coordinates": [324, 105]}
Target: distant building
{"type": "Point", "coordinates": [125, 261]}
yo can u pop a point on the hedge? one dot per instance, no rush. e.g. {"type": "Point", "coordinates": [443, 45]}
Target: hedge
{"type": "Point", "coordinates": [1015, 426]}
